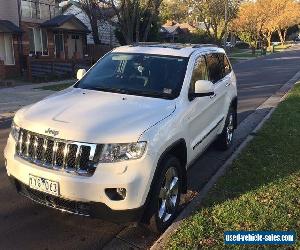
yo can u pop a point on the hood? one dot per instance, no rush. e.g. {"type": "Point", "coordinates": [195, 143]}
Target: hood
{"type": "Point", "coordinates": [94, 116]}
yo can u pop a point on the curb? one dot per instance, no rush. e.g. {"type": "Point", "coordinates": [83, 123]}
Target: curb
{"type": "Point", "coordinates": [272, 102]}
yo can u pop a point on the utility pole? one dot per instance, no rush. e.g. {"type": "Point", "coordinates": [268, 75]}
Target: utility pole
{"type": "Point", "coordinates": [226, 20]}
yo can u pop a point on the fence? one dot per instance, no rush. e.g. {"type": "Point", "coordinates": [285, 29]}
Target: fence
{"type": "Point", "coordinates": [96, 51]}
{"type": "Point", "coordinates": [54, 68]}
{"type": "Point", "coordinates": [58, 68]}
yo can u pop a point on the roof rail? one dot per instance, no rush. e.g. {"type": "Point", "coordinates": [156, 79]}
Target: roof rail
{"type": "Point", "coordinates": [144, 43]}
{"type": "Point", "coordinates": [203, 45]}
{"type": "Point", "coordinates": [173, 45]}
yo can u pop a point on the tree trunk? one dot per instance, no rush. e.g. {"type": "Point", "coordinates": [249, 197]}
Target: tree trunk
{"type": "Point", "coordinates": [269, 37]}
{"type": "Point", "coordinates": [148, 26]}
{"type": "Point", "coordinates": [284, 36]}
{"type": "Point", "coordinates": [95, 33]}
{"type": "Point", "coordinates": [280, 36]}
{"type": "Point", "coordinates": [253, 50]}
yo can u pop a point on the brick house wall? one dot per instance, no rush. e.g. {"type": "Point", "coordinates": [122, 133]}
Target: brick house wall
{"type": "Point", "coordinates": [9, 12]}
{"type": "Point", "coordinates": [7, 71]}
{"type": "Point", "coordinates": [26, 26]}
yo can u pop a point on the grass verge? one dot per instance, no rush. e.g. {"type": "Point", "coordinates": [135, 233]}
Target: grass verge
{"type": "Point", "coordinates": [240, 54]}
{"type": "Point", "coordinates": [259, 192]}
{"type": "Point", "coordinates": [56, 87]}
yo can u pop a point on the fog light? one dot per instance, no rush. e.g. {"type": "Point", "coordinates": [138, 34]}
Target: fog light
{"type": "Point", "coordinates": [122, 192]}
{"type": "Point", "coordinates": [116, 194]}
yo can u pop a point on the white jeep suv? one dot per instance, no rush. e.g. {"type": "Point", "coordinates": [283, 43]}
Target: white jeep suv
{"type": "Point", "coordinates": [117, 144]}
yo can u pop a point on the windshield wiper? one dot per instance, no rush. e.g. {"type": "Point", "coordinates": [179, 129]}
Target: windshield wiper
{"type": "Point", "coordinates": [115, 90]}
{"type": "Point", "coordinates": [133, 92]}
{"type": "Point", "coordinates": [150, 94]}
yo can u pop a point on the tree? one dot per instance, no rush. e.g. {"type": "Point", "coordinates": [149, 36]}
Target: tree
{"type": "Point", "coordinates": [269, 11]}
{"type": "Point", "coordinates": [248, 24]}
{"type": "Point", "coordinates": [213, 13]}
{"type": "Point", "coordinates": [91, 8]}
{"type": "Point", "coordinates": [288, 17]}
{"type": "Point", "coordinates": [174, 10]}
{"type": "Point", "coordinates": [134, 18]}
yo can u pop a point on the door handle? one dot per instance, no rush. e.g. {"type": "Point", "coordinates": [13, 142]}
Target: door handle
{"type": "Point", "coordinates": [227, 84]}
{"type": "Point", "coordinates": [213, 96]}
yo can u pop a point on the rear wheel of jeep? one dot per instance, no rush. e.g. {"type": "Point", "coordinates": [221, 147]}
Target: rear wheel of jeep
{"type": "Point", "coordinates": [165, 195]}
{"type": "Point", "coordinates": [225, 139]}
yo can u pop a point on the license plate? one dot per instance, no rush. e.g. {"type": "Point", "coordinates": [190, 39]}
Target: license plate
{"type": "Point", "coordinates": [44, 185]}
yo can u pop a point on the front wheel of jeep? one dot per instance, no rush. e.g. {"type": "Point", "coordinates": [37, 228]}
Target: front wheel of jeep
{"type": "Point", "coordinates": [165, 196]}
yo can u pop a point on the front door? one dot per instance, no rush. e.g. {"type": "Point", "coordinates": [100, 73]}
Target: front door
{"type": "Point", "coordinates": [200, 112]}
{"type": "Point", "coordinates": [75, 49]}
{"type": "Point", "coordinates": [59, 44]}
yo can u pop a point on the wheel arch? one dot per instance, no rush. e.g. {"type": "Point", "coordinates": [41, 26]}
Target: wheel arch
{"type": "Point", "coordinates": [179, 150]}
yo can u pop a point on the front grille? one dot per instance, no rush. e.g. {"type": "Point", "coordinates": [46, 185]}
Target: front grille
{"type": "Point", "coordinates": [49, 152]}
{"type": "Point", "coordinates": [48, 200]}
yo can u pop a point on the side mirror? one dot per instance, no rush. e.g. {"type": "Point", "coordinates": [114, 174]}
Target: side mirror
{"type": "Point", "coordinates": [203, 88]}
{"type": "Point", "coordinates": [80, 73]}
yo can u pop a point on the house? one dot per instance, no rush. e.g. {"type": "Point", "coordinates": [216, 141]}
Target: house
{"type": "Point", "coordinates": [106, 30]}
{"type": "Point", "coordinates": [9, 38]}
{"type": "Point", "coordinates": [36, 29]}
{"type": "Point", "coordinates": [170, 33]}
{"type": "Point", "coordinates": [172, 30]}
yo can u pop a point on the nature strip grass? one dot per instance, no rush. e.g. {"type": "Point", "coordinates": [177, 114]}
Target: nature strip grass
{"type": "Point", "coordinates": [261, 191]}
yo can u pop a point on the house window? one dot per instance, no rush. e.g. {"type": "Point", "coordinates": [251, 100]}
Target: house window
{"type": "Point", "coordinates": [6, 49]}
{"type": "Point", "coordinates": [38, 41]}
{"type": "Point", "coordinates": [29, 9]}
{"type": "Point", "coordinates": [36, 9]}
{"type": "Point", "coordinates": [45, 11]}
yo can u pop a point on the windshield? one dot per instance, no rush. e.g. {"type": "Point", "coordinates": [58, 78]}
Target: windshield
{"type": "Point", "coordinates": [137, 74]}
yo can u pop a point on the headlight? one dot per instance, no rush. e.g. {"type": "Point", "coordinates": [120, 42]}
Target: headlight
{"type": "Point", "coordinates": [15, 130]}
{"type": "Point", "coordinates": [122, 152]}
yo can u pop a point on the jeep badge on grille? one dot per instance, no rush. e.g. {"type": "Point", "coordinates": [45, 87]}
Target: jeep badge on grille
{"type": "Point", "coordinates": [52, 132]}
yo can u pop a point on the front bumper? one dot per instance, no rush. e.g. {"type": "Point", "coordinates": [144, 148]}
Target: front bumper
{"type": "Point", "coordinates": [135, 176]}
{"type": "Point", "coordinates": [92, 209]}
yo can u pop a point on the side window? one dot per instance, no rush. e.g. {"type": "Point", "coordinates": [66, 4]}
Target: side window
{"type": "Point", "coordinates": [227, 66]}
{"type": "Point", "coordinates": [199, 72]}
{"type": "Point", "coordinates": [215, 67]}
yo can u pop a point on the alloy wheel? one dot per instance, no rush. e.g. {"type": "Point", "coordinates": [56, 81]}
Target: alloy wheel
{"type": "Point", "coordinates": [168, 195]}
{"type": "Point", "coordinates": [229, 129]}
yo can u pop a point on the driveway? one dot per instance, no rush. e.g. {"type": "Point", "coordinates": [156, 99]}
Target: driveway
{"type": "Point", "coordinates": [25, 225]}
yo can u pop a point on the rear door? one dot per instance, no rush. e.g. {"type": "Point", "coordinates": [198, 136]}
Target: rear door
{"type": "Point", "coordinates": [221, 80]}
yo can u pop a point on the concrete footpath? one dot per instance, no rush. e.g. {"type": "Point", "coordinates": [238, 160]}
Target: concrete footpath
{"type": "Point", "coordinates": [13, 98]}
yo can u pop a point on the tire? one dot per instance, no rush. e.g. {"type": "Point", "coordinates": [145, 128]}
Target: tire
{"type": "Point", "coordinates": [225, 139]}
{"type": "Point", "coordinates": [165, 195]}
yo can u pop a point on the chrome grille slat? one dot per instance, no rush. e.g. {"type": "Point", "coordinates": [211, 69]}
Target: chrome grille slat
{"type": "Point", "coordinates": [20, 142]}
{"type": "Point", "coordinates": [66, 152]}
{"type": "Point", "coordinates": [27, 144]}
{"type": "Point", "coordinates": [44, 151]}
{"type": "Point", "coordinates": [55, 147]}
{"type": "Point", "coordinates": [77, 159]}
{"type": "Point", "coordinates": [57, 154]}
{"type": "Point", "coordinates": [35, 145]}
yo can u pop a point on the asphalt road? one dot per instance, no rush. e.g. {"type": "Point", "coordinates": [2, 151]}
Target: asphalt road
{"type": "Point", "coordinates": [25, 225]}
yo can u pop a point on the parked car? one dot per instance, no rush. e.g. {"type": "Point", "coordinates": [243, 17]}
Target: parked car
{"type": "Point", "coordinates": [117, 144]}
{"type": "Point", "coordinates": [242, 45]}
{"type": "Point", "coordinates": [297, 39]}
{"type": "Point", "coordinates": [229, 44]}
{"type": "Point", "coordinates": [276, 43]}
